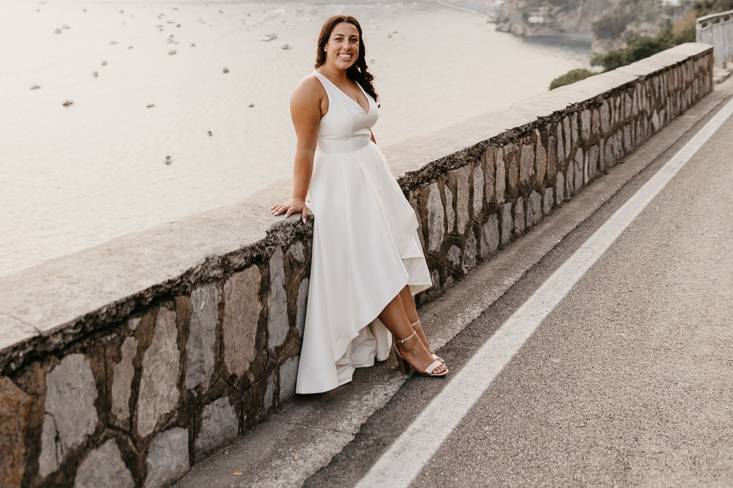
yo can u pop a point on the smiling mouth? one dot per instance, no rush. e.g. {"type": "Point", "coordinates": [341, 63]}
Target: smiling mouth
{"type": "Point", "coordinates": [346, 57]}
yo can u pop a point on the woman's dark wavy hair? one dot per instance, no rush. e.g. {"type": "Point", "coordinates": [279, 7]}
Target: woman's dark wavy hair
{"type": "Point", "coordinates": [358, 71]}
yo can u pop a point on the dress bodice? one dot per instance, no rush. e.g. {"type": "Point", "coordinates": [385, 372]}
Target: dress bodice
{"type": "Point", "coordinates": [346, 126]}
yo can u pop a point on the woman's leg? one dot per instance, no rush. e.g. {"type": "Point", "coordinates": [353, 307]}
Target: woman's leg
{"type": "Point", "coordinates": [409, 303]}
{"type": "Point", "coordinates": [395, 318]}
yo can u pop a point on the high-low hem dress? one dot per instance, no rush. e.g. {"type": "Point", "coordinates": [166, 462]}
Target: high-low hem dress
{"type": "Point", "coordinates": [365, 247]}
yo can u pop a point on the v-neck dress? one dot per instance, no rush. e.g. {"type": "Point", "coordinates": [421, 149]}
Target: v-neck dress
{"type": "Point", "coordinates": [365, 247]}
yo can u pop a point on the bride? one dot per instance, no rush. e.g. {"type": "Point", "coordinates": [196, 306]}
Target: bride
{"type": "Point", "coordinates": [367, 261]}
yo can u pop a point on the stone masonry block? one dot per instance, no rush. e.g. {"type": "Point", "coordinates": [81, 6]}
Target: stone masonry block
{"type": "Point", "coordinates": [470, 252]}
{"type": "Point", "coordinates": [507, 223]}
{"type": "Point", "coordinates": [103, 467]}
{"type": "Point", "coordinates": [490, 236]}
{"type": "Point", "coordinates": [277, 302]}
{"type": "Point", "coordinates": [656, 122]}
{"type": "Point", "coordinates": [242, 308]}
{"type": "Point", "coordinates": [595, 124]}
{"type": "Point", "coordinates": [519, 217]}
{"type": "Point", "coordinates": [71, 416]}
{"type": "Point", "coordinates": [201, 346]}
{"type": "Point", "coordinates": [297, 252]}
{"type": "Point", "coordinates": [560, 145]}
{"type": "Point", "coordinates": [570, 181]}
{"type": "Point", "coordinates": [269, 399]}
{"type": "Point", "coordinates": [454, 256]}
{"type": "Point", "coordinates": [167, 459]}
{"type": "Point", "coordinates": [122, 376]}
{"type": "Point", "coordinates": [15, 415]}
{"type": "Point", "coordinates": [618, 149]}
{"type": "Point", "coordinates": [478, 191]}
{"type": "Point", "coordinates": [288, 378]}
{"type": "Point", "coordinates": [500, 177]}
{"type": "Point", "coordinates": [159, 393]}
{"type": "Point", "coordinates": [489, 172]}
{"type": "Point", "coordinates": [585, 127]}
{"type": "Point", "coordinates": [559, 188]}
{"type": "Point", "coordinates": [540, 160]}
{"type": "Point", "coordinates": [574, 135]}
{"type": "Point", "coordinates": [605, 118]}
{"type": "Point", "coordinates": [219, 425]}
{"type": "Point", "coordinates": [302, 305]}
{"type": "Point", "coordinates": [463, 210]}
{"type": "Point", "coordinates": [628, 139]}
{"type": "Point", "coordinates": [579, 167]}
{"type": "Point", "coordinates": [551, 158]}
{"type": "Point", "coordinates": [450, 212]}
{"type": "Point", "coordinates": [526, 164]}
{"type": "Point", "coordinates": [436, 225]}
{"type": "Point", "coordinates": [602, 155]}
{"type": "Point", "coordinates": [534, 209]}
{"type": "Point", "coordinates": [593, 153]}
{"type": "Point", "coordinates": [512, 169]}
{"type": "Point", "coordinates": [548, 200]}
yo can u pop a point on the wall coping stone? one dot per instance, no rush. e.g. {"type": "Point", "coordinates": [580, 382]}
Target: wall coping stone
{"type": "Point", "coordinates": [97, 287]}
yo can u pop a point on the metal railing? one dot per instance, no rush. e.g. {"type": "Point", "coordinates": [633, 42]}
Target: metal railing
{"type": "Point", "coordinates": [717, 30]}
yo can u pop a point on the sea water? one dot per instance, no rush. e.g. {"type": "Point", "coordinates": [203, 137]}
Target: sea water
{"type": "Point", "coordinates": [120, 115]}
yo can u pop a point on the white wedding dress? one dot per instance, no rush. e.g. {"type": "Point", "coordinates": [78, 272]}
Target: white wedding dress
{"type": "Point", "coordinates": [365, 247]}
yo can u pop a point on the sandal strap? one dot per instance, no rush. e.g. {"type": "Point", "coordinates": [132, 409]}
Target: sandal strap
{"type": "Point", "coordinates": [433, 366]}
{"type": "Point", "coordinates": [402, 341]}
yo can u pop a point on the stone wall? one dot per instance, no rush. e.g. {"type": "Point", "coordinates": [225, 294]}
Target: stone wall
{"type": "Point", "coordinates": [125, 364]}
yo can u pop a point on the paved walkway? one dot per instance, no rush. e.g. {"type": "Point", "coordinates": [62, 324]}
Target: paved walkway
{"type": "Point", "coordinates": [627, 382]}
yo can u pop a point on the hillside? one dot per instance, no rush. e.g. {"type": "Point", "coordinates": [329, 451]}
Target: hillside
{"type": "Point", "coordinates": [609, 23]}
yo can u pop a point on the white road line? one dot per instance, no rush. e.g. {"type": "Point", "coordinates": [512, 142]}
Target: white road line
{"type": "Point", "coordinates": [402, 462]}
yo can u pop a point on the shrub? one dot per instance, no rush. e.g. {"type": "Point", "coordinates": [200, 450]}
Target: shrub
{"type": "Point", "coordinates": [570, 77]}
{"type": "Point", "coordinates": [637, 48]}
{"type": "Point", "coordinates": [610, 60]}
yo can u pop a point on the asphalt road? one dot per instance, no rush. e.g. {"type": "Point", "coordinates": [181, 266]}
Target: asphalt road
{"type": "Point", "coordinates": [628, 382]}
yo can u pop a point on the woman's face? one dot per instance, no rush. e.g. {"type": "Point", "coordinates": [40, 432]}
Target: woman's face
{"type": "Point", "coordinates": [342, 48]}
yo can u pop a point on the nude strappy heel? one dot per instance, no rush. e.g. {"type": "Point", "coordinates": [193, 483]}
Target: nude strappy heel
{"type": "Point", "coordinates": [406, 366]}
{"type": "Point", "coordinates": [435, 356]}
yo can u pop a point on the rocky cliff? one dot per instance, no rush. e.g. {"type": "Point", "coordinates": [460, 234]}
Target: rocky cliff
{"type": "Point", "coordinates": [609, 23]}
{"type": "Point", "coordinates": [550, 17]}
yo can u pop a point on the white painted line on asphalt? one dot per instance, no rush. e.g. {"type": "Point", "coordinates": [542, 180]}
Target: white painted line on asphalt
{"type": "Point", "coordinates": [404, 460]}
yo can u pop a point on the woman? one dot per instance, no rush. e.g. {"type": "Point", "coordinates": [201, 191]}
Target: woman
{"type": "Point", "coordinates": [367, 262]}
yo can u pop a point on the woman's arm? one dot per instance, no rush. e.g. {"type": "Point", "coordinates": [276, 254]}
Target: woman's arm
{"type": "Point", "coordinates": [305, 110]}
{"type": "Point", "coordinates": [373, 139]}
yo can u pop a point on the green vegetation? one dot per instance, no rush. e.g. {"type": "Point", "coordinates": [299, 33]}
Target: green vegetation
{"type": "Point", "coordinates": [570, 77]}
{"type": "Point", "coordinates": [639, 47]}
{"type": "Point", "coordinates": [610, 27]}
{"type": "Point", "coordinates": [707, 7]}
{"type": "Point", "coordinates": [642, 47]}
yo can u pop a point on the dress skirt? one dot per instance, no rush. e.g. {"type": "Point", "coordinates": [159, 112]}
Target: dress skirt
{"type": "Point", "coordinates": [366, 249]}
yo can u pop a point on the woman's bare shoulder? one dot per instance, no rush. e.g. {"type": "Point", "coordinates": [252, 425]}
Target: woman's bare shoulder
{"type": "Point", "coordinates": [309, 89]}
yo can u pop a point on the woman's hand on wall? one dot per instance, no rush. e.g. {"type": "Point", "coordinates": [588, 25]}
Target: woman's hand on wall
{"type": "Point", "coordinates": [294, 206]}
